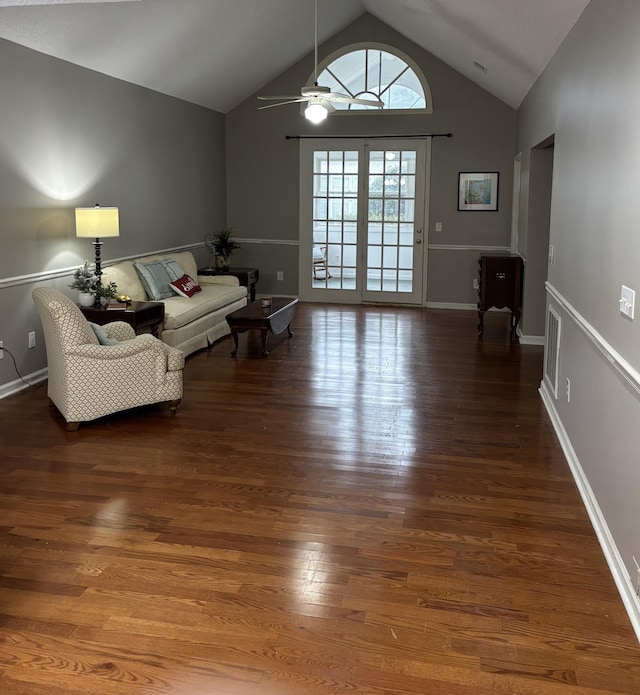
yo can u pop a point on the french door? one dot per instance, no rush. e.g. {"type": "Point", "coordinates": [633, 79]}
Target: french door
{"type": "Point", "coordinates": [362, 215]}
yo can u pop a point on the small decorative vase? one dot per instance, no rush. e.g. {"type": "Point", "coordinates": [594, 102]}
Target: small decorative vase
{"type": "Point", "coordinates": [104, 302]}
{"type": "Point", "coordinates": [222, 263]}
{"type": "Point", "coordinates": [86, 299]}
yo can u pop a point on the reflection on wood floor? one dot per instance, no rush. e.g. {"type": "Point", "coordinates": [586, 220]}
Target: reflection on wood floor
{"type": "Point", "coordinates": [379, 507]}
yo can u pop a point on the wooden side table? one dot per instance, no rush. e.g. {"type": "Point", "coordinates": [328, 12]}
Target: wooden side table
{"type": "Point", "coordinates": [138, 315]}
{"type": "Point", "coordinates": [247, 277]}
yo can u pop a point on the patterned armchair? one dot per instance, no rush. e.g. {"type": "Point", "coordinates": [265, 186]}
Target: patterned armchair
{"type": "Point", "coordinates": [88, 380]}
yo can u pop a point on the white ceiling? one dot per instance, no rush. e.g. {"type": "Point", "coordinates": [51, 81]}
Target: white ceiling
{"type": "Point", "coordinates": [218, 52]}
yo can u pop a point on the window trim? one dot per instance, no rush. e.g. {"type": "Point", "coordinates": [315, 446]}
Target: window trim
{"type": "Point", "coordinates": [375, 46]}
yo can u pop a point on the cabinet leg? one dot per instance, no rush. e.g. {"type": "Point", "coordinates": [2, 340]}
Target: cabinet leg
{"type": "Point", "coordinates": [515, 320]}
{"type": "Point", "coordinates": [234, 335]}
{"type": "Point", "coordinates": [480, 322]}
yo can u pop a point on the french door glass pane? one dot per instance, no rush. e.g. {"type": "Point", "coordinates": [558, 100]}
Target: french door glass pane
{"type": "Point", "coordinates": [335, 214]}
{"type": "Point", "coordinates": [391, 220]}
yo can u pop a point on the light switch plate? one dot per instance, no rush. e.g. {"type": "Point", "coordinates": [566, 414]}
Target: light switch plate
{"type": "Point", "coordinates": [627, 301]}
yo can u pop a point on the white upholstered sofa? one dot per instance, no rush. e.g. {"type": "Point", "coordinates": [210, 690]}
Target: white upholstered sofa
{"type": "Point", "coordinates": [190, 323]}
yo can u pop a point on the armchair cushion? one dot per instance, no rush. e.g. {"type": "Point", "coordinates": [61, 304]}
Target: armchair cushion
{"type": "Point", "coordinates": [119, 330]}
{"type": "Point", "coordinates": [102, 334]}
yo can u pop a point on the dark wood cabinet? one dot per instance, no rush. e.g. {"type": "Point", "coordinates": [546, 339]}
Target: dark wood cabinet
{"type": "Point", "coordinates": [500, 286]}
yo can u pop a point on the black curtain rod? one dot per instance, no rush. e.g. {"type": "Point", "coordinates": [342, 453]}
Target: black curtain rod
{"type": "Point", "coordinates": [368, 137]}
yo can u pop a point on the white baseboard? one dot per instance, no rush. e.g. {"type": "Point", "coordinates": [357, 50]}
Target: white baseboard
{"type": "Point", "coordinates": [449, 305]}
{"type": "Point", "coordinates": [531, 339]}
{"type": "Point", "coordinates": [614, 560]}
{"type": "Point", "coordinates": [17, 385]}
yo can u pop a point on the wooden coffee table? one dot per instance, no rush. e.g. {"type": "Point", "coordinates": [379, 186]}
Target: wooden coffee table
{"type": "Point", "coordinates": [273, 319]}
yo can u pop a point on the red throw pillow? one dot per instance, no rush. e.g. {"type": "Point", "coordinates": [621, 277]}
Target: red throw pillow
{"type": "Point", "coordinates": [185, 286]}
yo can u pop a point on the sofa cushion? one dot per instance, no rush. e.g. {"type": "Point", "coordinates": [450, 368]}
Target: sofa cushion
{"type": "Point", "coordinates": [155, 279]}
{"type": "Point", "coordinates": [185, 286]}
{"type": "Point", "coordinates": [186, 261]}
{"type": "Point", "coordinates": [174, 269]}
{"type": "Point", "coordinates": [127, 280]}
{"type": "Point", "coordinates": [179, 311]}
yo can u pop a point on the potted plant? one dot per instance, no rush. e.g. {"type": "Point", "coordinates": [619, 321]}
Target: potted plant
{"type": "Point", "coordinates": [106, 292]}
{"type": "Point", "coordinates": [224, 246]}
{"type": "Point", "coordinates": [85, 281]}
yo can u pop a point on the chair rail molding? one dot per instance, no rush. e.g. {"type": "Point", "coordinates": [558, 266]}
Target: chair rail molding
{"type": "Point", "coordinates": [632, 377]}
{"type": "Point", "coordinates": [270, 242]}
{"type": "Point", "coordinates": [467, 247]}
{"type": "Point", "coordinates": [62, 272]}
{"type": "Point", "coordinates": [629, 373]}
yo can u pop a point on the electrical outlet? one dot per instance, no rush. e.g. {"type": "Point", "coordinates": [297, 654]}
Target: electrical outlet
{"type": "Point", "coordinates": [1, 349]}
{"type": "Point", "coordinates": [32, 339]}
{"type": "Point", "coordinates": [438, 226]}
{"type": "Point", "coordinates": [476, 284]}
{"type": "Point", "coordinates": [280, 275]}
{"type": "Point", "coordinates": [568, 390]}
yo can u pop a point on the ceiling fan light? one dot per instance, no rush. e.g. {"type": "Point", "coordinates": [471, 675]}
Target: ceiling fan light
{"type": "Point", "coordinates": [315, 112]}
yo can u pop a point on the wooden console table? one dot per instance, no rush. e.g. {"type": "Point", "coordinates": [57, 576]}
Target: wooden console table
{"type": "Point", "coordinates": [138, 315]}
{"type": "Point", "coordinates": [247, 277]}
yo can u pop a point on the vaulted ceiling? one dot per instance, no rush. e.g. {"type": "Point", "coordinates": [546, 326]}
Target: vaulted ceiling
{"type": "Point", "coordinates": [216, 53]}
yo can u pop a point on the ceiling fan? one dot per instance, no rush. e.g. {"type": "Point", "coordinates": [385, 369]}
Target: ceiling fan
{"type": "Point", "coordinates": [320, 99]}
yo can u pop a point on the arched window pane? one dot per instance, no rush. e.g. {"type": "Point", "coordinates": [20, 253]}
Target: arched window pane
{"type": "Point", "coordinates": [376, 73]}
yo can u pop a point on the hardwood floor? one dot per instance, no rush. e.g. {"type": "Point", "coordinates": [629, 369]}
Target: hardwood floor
{"type": "Point", "coordinates": [379, 507]}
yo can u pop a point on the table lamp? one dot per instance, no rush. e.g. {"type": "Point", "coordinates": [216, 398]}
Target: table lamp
{"type": "Point", "coordinates": [98, 223]}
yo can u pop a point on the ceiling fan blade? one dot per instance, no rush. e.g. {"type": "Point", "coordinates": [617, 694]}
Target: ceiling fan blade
{"type": "Point", "coordinates": [282, 103]}
{"type": "Point", "coordinates": [285, 98]}
{"type": "Point", "coordinates": [344, 99]}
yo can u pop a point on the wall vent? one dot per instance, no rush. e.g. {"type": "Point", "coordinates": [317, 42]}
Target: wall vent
{"type": "Point", "coordinates": [552, 351]}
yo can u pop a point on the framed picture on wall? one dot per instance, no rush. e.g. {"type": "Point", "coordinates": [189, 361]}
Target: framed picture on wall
{"type": "Point", "coordinates": [478, 191]}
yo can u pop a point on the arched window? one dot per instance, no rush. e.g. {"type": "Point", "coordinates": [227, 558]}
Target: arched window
{"type": "Point", "coordinates": [376, 70]}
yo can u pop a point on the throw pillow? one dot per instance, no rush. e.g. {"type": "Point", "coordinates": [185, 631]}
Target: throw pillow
{"type": "Point", "coordinates": [155, 278]}
{"type": "Point", "coordinates": [173, 269]}
{"type": "Point", "coordinates": [186, 286]}
{"type": "Point", "coordinates": [102, 335]}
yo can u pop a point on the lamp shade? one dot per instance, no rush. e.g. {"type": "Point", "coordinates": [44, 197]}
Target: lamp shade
{"type": "Point", "coordinates": [97, 222]}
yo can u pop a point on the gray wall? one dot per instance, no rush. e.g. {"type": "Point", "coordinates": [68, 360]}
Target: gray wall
{"type": "Point", "coordinates": [588, 100]}
{"type": "Point", "coordinates": [72, 137]}
{"type": "Point", "coordinates": [263, 167]}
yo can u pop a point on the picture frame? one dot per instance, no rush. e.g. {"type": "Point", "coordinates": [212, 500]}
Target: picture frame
{"type": "Point", "coordinates": [478, 191]}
